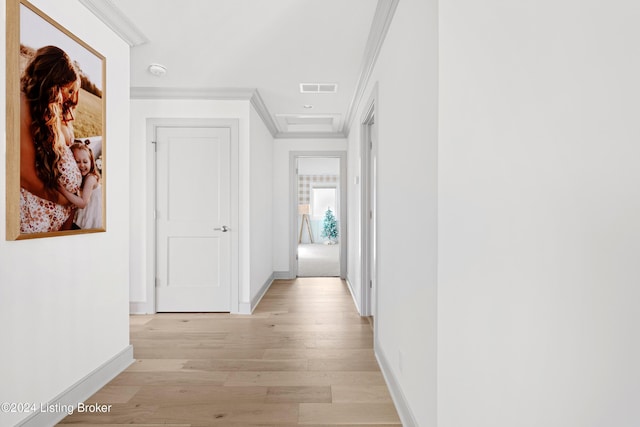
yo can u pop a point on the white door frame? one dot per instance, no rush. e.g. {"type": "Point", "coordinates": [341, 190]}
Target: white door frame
{"type": "Point", "coordinates": [293, 207]}
{"type": "Point", "coordinates": [368, 217]}
{"type": "Point", "coordinates": [152, 127]}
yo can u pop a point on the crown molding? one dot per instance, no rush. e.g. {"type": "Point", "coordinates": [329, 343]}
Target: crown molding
{"type": "Point", "coordinates": [228, 94]}
{"type": "Point", "coordinates": [113, 17]}
{"type": "Point", "coordinates": [309, 135]}
{"type": "Point", "coordinates": [219, 94]}
{"type": "Point", "coordinates": [379, 28]}
{"type": "Point", "coordinates": [263, 112]}
{"type": "Point", "coordinates": [148, 92]}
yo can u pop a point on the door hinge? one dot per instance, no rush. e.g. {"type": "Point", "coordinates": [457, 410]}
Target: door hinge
{"type": "Point", "coordinates": [157, 282]}
{"type": "Point", "coordinates": [370, 283]}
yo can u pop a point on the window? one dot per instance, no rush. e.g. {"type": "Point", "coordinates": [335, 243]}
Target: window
{"type": "Point", "coordinates": [323, 198]}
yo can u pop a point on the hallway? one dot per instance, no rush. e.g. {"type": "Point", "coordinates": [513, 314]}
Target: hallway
{"type": "Point", "coordinates": [304, 357]}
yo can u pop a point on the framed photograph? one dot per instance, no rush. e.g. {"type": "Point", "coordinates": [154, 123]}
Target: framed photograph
{"type": "Point", "coordinates": [55, 128]}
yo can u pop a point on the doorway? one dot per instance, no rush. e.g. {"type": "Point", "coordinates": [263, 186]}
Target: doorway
{"type": "Point", "coordinates": [318, 214]}
{"type": "Point", "coordinates": [368, 228]}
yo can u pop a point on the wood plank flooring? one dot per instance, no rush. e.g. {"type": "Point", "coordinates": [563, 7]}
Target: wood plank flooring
{"type": "Point", "coordinates": [305, 357]}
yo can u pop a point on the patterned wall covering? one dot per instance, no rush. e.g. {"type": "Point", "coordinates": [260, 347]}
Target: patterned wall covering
{"type": "Point", "coordinates": [304, 185]}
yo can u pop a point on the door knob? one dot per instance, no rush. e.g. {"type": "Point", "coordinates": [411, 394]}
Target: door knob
{"type": "Point", "coordinates": [224, 229]}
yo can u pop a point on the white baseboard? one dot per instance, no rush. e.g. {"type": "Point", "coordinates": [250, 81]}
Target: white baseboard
{"type": "Point", "coordinates": [81, 391]}
{"type": "Point", "coordinates": [404, 411]}
{"type": "Point", "coordinates": [244, 308]}
{"type": "Point", "coordinates": [283, 275]}
{"type": "Point", "coordinates": [248, 307]}
{"type": "Point", "coordinates": [140, 308]}
{"type": "Point", "coordinates": [353, 296]}
{"type": "Point", "coordinates": [263, 290]}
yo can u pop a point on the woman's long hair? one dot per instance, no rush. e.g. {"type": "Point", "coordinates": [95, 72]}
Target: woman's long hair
{"type": "Point", "coordinates": [48, 71]}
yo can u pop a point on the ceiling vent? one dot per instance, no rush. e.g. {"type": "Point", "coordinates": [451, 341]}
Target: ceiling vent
{"type": "Point", "coordinates": [318, 87]}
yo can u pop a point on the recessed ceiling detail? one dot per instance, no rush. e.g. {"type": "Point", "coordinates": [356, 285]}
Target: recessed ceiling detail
{"type": "Point", "coordinates": [318, 87]}
{"type": "Point", "coordinates": [309, 122]}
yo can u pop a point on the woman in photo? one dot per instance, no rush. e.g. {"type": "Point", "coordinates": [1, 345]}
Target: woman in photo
{"type": "Point", "coordinates": [49, 91]}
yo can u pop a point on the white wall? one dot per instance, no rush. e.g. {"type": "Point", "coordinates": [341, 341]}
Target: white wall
{"type": "Point", "coordinates": [64, 300]}
{"type": "Point", "coordinates": [141, 110]}
{"type": "Point", "coordinates": [539, 214]}
{"type": "Point", "coordinates": [281, 189]}
{"type": "Point", "coordinates": [406, 116]}
{"type": "Point", "coordinates": [261, 205]}
{"type": "Point", "coordinates": [319, 166]}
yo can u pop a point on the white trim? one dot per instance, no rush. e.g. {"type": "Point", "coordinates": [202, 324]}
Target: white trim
{"type": "Point", "coordinates": [115, 19]}
{"type": "Point", "coordinates": [81, 390]}
{"type": "Point", "coordinates": [353, 296]}
{"type": "Point", "coordinates": [139, 307]}
{"type": "Point", "coordinates": [283, 275]}
{"type": "Point", "coordinates": [261, 293]}
{"type": "Point", "coordinates": [152, 125]}
{"type": "Point", "coordinates": [263, 112]}
{"type": "Point", "coordinates": [293, 214]}
{"type": "Point", "coordinates": [225, 94]}
{"type": "Point", "coordinates": [244, 308]}
{"type": "Point", "coordinates": [315, 135]}
{"type": "Point", "coordinates": [368, 203]}
{"type": "Point", "coordinates": [379, 28]}
{"type": "Point", "coordinates": [404, 410]}
{"type": "Point", "coordinates": [248, 307]}
{"type": "Point", "coordinates": [229, 94]}
{"type": "Point", "coordinates": [150, 220]}
{"type": "Point", "coordinates": [312, 197]}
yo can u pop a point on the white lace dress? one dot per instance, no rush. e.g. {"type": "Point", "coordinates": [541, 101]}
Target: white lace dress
{"type": "Point", "coordinates": [38, 215]}
{"type": "Point", "coordinates": [91, 215]}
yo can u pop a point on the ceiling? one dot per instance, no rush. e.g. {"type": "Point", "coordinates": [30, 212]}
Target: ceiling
{"type": "Point", "coordinates": [261, 50]}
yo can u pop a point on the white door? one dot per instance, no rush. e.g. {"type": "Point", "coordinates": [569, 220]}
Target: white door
{"type": "Point", "coordinates": [193, 216]}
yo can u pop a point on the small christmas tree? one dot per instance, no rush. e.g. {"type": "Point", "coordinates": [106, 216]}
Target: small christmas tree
{"type": "Point", "coordinates": [330, 227]}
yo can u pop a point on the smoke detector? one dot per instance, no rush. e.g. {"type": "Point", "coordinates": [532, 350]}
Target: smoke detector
{"type": "Point", "coordinates": [157, 69]}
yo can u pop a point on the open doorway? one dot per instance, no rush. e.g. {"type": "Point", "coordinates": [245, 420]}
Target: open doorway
{"type": "Point", "coordinates": [319, 205]}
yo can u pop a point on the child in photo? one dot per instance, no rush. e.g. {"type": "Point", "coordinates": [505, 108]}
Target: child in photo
{"type": "Point", "coordinates": [89, 203]}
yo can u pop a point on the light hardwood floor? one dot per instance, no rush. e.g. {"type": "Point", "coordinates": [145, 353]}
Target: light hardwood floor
{"type": "Point", "coordinates": [305, 357]}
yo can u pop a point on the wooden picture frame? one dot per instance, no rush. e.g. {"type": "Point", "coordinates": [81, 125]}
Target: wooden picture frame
{"type": "Point", "coordinates": [56, 126]}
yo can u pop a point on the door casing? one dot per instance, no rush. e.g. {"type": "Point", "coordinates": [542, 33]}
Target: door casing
{"type": "Point", "coordinates": [368, 216]}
